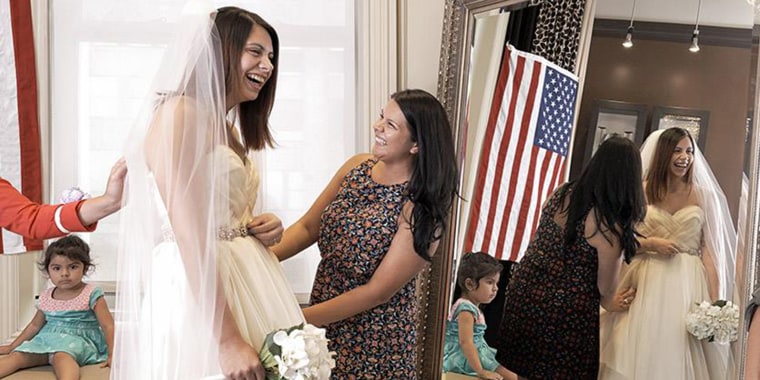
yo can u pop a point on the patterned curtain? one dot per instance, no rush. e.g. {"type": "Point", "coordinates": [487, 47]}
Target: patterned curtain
{"type": "Point", "coordinates": [558, 31]}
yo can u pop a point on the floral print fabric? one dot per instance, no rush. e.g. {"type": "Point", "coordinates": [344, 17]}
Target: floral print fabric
{"type": "Point", "coordinates": [356, 231]}
{"type": "Point", "coordinates": [550, 328]}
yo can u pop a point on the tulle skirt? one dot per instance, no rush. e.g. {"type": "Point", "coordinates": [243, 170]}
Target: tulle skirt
{"type": "Point", "coordinates": [650, 341]}
{"type": "Point", "coordinates": [258, 294]}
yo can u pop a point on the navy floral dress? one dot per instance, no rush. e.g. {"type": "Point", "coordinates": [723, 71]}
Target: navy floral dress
{"type": "Point", "coordinates": [550, 328]}
{"type": "Point", "coordinates": [355, 233]}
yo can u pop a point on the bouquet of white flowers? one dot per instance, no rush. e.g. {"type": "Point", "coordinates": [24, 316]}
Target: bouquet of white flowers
{"type": "Point", "coordinates": [297, 353]}
{"type": "Point", "coordinates": [716, 322]}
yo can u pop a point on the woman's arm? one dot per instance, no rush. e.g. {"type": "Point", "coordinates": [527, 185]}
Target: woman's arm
{"type": "Point", "coordinates": [305, 231]}
{"type": "Point", "coordinates": [609, 253]}
{"type": "Point", "coordinates": [178, 147]}
{"type": "Point", "coordinates": [711, 272]}
{"type": "Point", "coordinates": [28, 333]}
{"type": "Point", "coordinates": [466, 332]}
{"type": "Point", "coordinates": [398, 267]}
{"type": "Point", "coordinates": [105, 319]}
{"type": "Point", "coordinates": [658, 245]}
{"type": "Point", "coordinates": [31, 220]}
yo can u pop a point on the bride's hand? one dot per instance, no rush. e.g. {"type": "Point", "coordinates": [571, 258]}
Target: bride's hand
{"type": "Point", "coordinates": [662, 246]}
{"type": "Point", "coordinates": [267, 228]}
{"type": "Point", "coordinates": [239, 361]}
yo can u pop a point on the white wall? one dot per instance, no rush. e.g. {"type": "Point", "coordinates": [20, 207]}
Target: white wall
{"type": "Point", "coordinates": [421, 23]}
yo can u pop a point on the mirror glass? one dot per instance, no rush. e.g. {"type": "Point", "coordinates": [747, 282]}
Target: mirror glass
{"type": "Point", "coordinates": [655, 84]}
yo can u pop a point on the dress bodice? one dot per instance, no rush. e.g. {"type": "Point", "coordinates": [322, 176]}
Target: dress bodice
{"type": "Point", "coordinates": [683, 227]}
{"type": "Point", "coordinates": [242, 188]}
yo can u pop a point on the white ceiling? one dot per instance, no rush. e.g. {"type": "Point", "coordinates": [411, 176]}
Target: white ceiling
{"type": "Point", "coordinates": [725, 13]}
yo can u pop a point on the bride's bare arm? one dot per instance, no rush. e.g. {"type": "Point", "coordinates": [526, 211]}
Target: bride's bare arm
{"type": "Point", "coordinates": [179, 152]}
{"type": "Point", "coordinates": [713, 283]}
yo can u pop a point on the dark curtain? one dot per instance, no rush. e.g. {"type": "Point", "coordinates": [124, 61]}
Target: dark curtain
{"type": "Point", "coordinates": [522, 27]}
{"type": "Point", "coordinates": [558, 31]}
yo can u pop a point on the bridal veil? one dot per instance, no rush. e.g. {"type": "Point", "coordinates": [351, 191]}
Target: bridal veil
{"type": "Point", "coordinates": [719, 232]}
{"type": "Point", "coordinates": [175, 201]}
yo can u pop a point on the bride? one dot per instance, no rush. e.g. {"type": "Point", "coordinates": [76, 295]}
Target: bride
{"type": "Point", "coordinates": [686, 257]}
{"type": "Point", "coordinates": [196, 293]}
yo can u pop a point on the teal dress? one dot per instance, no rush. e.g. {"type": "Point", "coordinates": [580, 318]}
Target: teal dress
{"type": "Point", "coordinates": [71, 327]}
{"type": "Point", "coordinates": [453, 357]}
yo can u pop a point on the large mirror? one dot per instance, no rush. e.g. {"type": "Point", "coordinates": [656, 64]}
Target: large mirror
{"type": "Point", "coordinates": [656, 83]}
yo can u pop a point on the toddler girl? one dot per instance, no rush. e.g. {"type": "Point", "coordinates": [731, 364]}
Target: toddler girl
{"type": "Point", "coordinates": [73, 326]}
{"type": "Point", "coordinates": [466, 350]}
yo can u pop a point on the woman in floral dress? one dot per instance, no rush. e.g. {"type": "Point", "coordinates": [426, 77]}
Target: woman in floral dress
{"type": "Point", "coordinates": [550, 328]}
{"type": "Point", "coordinates": [377, 223]}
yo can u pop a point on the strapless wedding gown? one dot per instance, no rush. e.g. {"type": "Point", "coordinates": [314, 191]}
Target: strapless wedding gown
{"type": "Point", "coordinates": [256, 288]}
{"type": "Point", "coordinates": [650, 341]}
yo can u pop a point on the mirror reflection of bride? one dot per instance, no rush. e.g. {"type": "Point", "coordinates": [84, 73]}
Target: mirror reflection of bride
{"type": "Point", "coordinates": [686, 257]}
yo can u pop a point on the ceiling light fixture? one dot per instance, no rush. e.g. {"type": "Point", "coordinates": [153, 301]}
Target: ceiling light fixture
{"type": "Point", "coordinates": [629, 33]}
{"type": "Point", "coordinates": [695, 35]}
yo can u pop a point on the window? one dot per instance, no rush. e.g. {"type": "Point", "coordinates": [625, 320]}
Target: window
{"type": "Point", "coordinates": [104, 55]}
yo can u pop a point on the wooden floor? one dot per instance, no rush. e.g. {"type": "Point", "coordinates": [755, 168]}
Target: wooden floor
{"type": "Point", "coordinates": [90, 372]}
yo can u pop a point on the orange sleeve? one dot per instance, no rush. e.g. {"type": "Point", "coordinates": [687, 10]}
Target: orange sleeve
{"type": "Point", "coordinates": [20, 215]}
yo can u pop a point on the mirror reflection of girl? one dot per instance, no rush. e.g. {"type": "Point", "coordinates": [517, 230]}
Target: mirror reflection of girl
{"type": "Point", "coordinates": [73, 326]}
{"type": "Point", "coordinates": [465, 348]}
{"type": "Point", "coordinates": [685, 257]}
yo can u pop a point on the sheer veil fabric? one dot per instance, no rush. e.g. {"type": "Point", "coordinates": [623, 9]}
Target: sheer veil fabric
{"type": "Point", "coordinates": [168, 290]}
{"type": "Point", "coordinates": [719, 232]}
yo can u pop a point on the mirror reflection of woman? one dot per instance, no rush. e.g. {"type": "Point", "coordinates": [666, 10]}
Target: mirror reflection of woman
{"type": "Point", "coordinates": [685, 257]}
{"type": "Point", "coordinates": [550, 328]}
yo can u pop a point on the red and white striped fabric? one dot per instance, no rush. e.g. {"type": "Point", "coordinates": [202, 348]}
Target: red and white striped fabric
{"type": "Point", "coordinates": [20, 158]}
{"type": "Point", "coordinates": [523, 155]}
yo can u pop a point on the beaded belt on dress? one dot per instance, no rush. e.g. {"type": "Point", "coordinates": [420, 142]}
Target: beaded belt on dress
{"type": "Point", "coordinates": [222, 233]}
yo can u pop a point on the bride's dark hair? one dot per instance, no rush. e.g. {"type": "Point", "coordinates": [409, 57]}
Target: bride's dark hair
{"type": "Point", "coordinates": [234, 26]}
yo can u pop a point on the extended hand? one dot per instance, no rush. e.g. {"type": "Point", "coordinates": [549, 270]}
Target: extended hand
{"type": "Point", "coordinates": [663, 246]}
{"type": "Point", "coordinates": [107, 363]}
{"type": "Point", "coordinates": [267, 228]}
{"type": "Point", "coordinates": [5, 349]}
{"type": "Point", "coordinates": [115, 185]}
{"type": "Point", "coordinates": [239, 361]}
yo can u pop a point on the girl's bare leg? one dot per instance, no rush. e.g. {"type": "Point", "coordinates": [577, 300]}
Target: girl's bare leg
{"type": "Point", "coordinates": [19, 360]}
{"type": "Point", "coordinates": [66, 368]}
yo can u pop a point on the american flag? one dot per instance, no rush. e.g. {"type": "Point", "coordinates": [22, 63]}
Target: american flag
{"type": "Point", "coordinates": [524, 153]}
{"type": "Point", "coordinates": [20, 157]}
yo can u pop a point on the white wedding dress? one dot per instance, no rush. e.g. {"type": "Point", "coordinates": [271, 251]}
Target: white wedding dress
{"type": "Point", "coordinates": [256, 289]}
{"type": "Point", "coordinates": [650, 341]}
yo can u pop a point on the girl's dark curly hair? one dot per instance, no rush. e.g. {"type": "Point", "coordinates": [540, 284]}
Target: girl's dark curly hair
{"type": "Point", "coordinates": [476, 265]}
{"type": "Point", "coordinates": [70, 246]}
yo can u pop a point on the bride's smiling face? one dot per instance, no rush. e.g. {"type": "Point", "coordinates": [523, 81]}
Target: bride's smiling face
{"type": "Point", "coordinates": [255, 65]}
{"type": "Point", "coordinates": [682, 158]}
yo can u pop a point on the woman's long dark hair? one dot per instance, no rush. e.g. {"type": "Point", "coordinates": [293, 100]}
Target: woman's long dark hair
{"type": "Point", "coordinates": [657, 175]}
{"type": "Point", "coordinates": [234, 26]}
{"type": "Point", "coordinates": [434, 181]}
{"type": "Point", "coordinates": [611, 185]}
